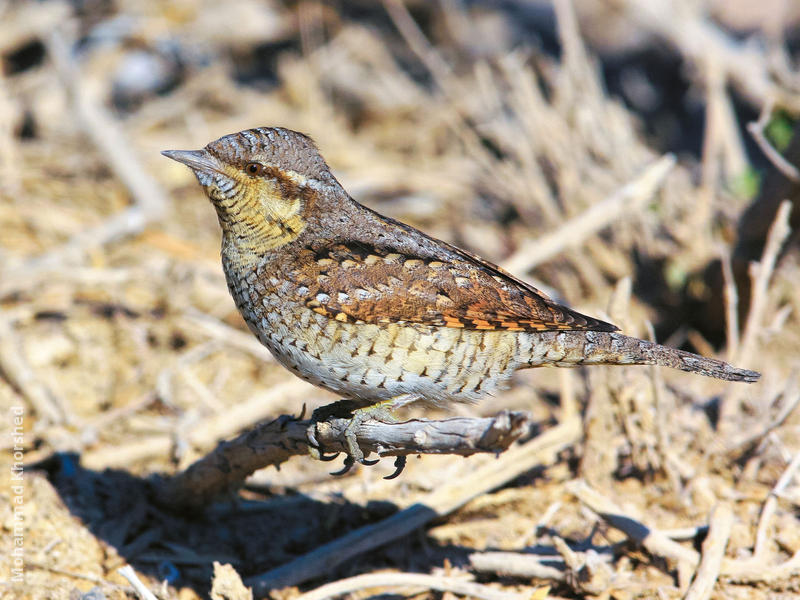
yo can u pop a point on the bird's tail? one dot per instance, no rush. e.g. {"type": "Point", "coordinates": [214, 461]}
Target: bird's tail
{"type": "Point", "coordinates": [572, 348]}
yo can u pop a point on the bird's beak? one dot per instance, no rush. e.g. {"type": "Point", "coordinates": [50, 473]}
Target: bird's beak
{"type": "Point", "coordinates": [197, 160]}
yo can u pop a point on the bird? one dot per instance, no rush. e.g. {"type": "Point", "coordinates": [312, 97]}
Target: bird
{"type": "Point", "coordinates": [375, 310]}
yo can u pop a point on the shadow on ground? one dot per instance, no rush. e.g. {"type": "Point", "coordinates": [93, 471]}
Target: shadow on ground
{"type": "Point", "coordinates": [253, 536]}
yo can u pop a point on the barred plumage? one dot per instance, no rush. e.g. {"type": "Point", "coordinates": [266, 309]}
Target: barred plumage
{"type": "Point", "coordinates": [374, 309]}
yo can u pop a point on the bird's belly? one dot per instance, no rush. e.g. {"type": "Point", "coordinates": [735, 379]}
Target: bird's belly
{"type": "Point", "coordinates": [372, 362]}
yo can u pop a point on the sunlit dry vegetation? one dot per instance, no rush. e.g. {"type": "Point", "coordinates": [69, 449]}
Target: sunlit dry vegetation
{"type": "Point", "coordinates": [600, 150]}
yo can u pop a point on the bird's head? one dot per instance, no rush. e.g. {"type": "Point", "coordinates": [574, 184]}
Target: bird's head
{"type": "Point", "coordinates": [261, 181]}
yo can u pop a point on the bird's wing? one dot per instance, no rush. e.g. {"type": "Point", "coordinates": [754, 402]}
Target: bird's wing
{"type": "Point", "coordinates": [356, 280]}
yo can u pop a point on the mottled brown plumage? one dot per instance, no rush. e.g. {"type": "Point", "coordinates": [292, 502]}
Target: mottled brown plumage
{"type": "Point", "coordinates": [374, 309]}
{"type": "Point", "coordinates": [381, 282]}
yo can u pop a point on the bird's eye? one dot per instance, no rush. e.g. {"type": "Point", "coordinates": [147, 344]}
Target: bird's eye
{"type": "Point", "coordinates": [254, 168]}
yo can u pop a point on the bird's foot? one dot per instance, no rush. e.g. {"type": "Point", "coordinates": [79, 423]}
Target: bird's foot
{"type": "Point", "coordinates": [382, 412]}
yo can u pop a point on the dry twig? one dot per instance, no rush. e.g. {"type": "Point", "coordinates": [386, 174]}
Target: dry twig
{"type": "Point", "coordinates": [719, 531]}
{"type": "Point", "coordinates": [756, 129]}
{"type": "Point", "coordinates": [515, 564]}
{"type": "Point", "coordinates": [141, 590]}
{"type": "Point", "coordinates": [406, 580]}
{"type": "Point", "coordinates": [761, 274]}
{"type": "Point", "coordinates": [754, 570]}
{"type": "Point", "coordinates": [627, 200]}
{"type": "Point", "coordinates": [757, 571]}
{"type": "Point", "coordinates": [275, 442]}
{"type": "Point", "coordinates": [653, 540]}
{"type": "Point", "coordinates": [731, 296]}
{"type": "Point", "coordinates": [586, 572]}
{"type": "Point", "coordinates": [49, 406]}
{"type": "Point", "coordinates": [449, 496]}
{"type": "Point", "coordinates": [767, 512]}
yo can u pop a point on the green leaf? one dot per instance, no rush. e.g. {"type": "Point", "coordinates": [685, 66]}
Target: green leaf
{"type": "Point", "coordinates": [747, 184]}
{"type": "Point", "coordinates": [779, 130]}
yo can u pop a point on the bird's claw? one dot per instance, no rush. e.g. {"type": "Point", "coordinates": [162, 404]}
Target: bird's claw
{"type": "Point", "coordinates": [399, 465]}
{"type": "Point", "coordinates": [354, 454]}
{"type": "Point", "coordinates": [315, 448]}
{"type": "Point", "coordinates": [349, 461]}
{"type": "Point", "coordinates": [348, 464]}
{"type": "Point", "coordinates": [327, 457]}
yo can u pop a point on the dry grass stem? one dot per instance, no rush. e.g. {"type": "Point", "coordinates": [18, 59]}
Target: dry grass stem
{"type": "Point", "coordinates": [789, 399]}
{"type": "Point", "coordinates": [228, 335]}
{"type": "Point", "coordinates": [514, 564]}
{"type": "Point", "coordinates": [408, 580]}
{"type": "Point", "coordinates": [768, 510]}
{"type": "Point", "coordinates": [653, 540]}
{"type": "Point", "coordinates": [731, 306]}
{"type": "Point", "coordinates": [664, 406]}
{"type": "Point", "coordinates": [761, 273]}
{"type": "Point", "coordinates": [418, 43]}
{"type": "Point", "coordinates": [46, 403]}
{"type": "Point", "coordinates": [719, 532]}
{"type": "Point", "coordinates": [756, 129]}
{"type": "Point", "coordinates": [626, 201]}
{"type": "Point", "coordinates": [141, 590]}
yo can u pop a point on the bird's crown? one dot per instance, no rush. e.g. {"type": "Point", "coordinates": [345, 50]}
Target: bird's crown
{"type": "Point", "coordinates": [274, 147]}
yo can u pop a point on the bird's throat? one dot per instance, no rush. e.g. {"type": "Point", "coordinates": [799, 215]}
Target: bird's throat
{"type": "Point", "coordinates": [252, 226]}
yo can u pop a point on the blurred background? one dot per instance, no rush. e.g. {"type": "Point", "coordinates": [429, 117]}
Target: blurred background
{"type": "Point", "coordinates": [636, 159]}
